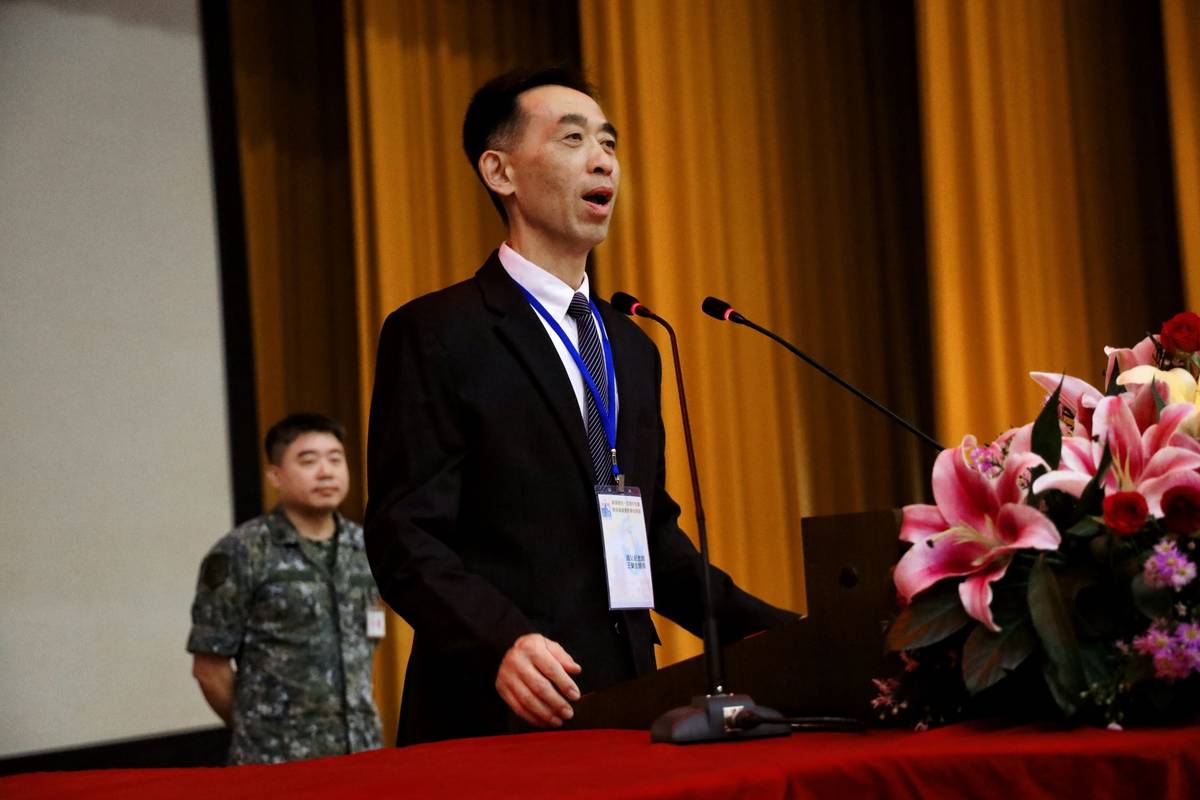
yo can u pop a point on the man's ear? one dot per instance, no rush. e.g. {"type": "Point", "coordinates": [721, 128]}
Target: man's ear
{"type": "Point", "coordinates": [496, 172]}
{"type": "Point", "coordinates": [272, 473]}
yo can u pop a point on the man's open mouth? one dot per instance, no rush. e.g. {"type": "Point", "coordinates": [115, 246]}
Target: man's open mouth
{"type": "Point", "coordinates": [600, 197]}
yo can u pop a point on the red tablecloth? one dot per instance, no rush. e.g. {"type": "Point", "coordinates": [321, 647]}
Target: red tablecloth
{"type": "Point", "coordinates": [971, 760]}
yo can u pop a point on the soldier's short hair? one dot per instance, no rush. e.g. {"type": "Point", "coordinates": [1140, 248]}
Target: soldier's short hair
{"type": "Point", "coordinates": [293, 426]}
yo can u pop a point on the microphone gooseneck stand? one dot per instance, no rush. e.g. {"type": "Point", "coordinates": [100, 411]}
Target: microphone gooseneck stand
{"type": "Point", "coordinates": [718, 715]}
{"type": "Point", "coordinates": [719, 309]}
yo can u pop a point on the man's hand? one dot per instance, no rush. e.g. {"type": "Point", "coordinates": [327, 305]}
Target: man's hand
{"type": "Point", "coordinates": [533, 680]}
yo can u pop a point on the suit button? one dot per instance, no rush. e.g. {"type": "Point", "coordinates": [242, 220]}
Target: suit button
{"type": "Point", "coordinates": [617, 628]}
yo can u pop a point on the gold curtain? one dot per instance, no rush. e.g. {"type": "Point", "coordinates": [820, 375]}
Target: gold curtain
{"type": "Point", "coordinates": [1181, 27]}
{"type": "Point", "coordinates": [294, 163]}
{"type": "Point", "coordinates": [421, 219]}
{"type": "Point", "coordinates": [1050, 219]}
{"type": "Point", "coordinates": [756, 169]}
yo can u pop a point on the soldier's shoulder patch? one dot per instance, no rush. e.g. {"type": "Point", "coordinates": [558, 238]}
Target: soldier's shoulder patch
{"type": "Point", "coordinates": [215, 570]}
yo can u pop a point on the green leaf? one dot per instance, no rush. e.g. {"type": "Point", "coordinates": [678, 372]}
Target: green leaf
{"type": "Point", "coordinates": [1091, 500]}
{"type": "Point", "coordinates": [1098, 665]}
{"type": "Point", "coordinates": [1154, 602]}
{"type": "Point", "coordinates": [1088, 526]}
{"type": "Point", "coordinates": [988, 657]}
{"type": "Point", "coordinates": [1113, 389]}
{"type": "Point", "coordinates": [932, 616]}
{"type": "Point", "coordinates": [1159, 403]}
{"type": "Point", "coordinates": [1052, 621]}
{"type": "Point", "coordinates": [1047, 435]}
{"type": "Point", "coordinates": [1065, 699]}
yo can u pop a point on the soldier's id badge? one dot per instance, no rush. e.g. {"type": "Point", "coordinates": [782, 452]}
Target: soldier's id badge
{"type": "Point", "coordinates": [376, 624]}
{"type": "Point", "coordinates": [626, 550]}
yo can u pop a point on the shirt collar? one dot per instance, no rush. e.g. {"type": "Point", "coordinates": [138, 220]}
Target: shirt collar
{"type": "Point", "coordinates": [283, 532]}
{"type": "Point", "coordinates": [549, 289]}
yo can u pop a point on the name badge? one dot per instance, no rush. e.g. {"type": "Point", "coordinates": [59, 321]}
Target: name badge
{"type": "Point", "coordinates": [626, 549]}
{"type": "Point", "coordinates": [376, 623]}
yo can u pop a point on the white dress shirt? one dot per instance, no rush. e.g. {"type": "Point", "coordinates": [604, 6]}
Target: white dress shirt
{"type": "Point", "coordinates": [555, 296]}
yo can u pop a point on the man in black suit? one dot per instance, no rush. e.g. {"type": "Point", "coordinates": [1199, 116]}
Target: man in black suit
{"type": "Point", "coordinates": [487, 442]}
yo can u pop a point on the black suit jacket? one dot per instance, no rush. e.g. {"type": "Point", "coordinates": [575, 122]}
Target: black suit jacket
{"type": "Point", "coordinates": [482, 524]}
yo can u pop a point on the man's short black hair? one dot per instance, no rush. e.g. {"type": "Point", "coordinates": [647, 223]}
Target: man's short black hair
{"type": "Point", "coordinates": [293, 426]}
{"type": "Point", "coordinates": [494, 120]}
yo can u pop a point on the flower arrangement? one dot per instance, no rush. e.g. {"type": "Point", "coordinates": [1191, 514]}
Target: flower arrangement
{"type": "Point", "coordinates": [1059, 561]}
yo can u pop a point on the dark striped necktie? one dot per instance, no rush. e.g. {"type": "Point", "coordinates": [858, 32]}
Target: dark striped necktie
{"type": "Point", "coordinates": [590, 351]}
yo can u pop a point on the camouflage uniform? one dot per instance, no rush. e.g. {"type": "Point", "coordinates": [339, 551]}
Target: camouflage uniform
{"type": "Point", "coordinates": [299, 635]}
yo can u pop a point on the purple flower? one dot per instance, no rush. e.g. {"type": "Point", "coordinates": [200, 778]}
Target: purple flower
{"type": "Point", "coordinates": [1154, 641]}
{"type": "Point", "coordinates": [1168, 567]}
{"type": "Point", "coordinates": [887, 692]}
{"type": "Point", "coordinates": [986, 459]}
{"type": "Point", "coordinates": [1175, 656]}
{"type": "Point", "coordinates": [1173, 663]}
{"type": "Point", "coordinates": [1187, 635]}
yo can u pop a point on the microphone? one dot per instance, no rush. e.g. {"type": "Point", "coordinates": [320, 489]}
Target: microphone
{"type": "Point", "coordinates": [628, 304]}
{"type": "Point", "coordinates": [709, 716]}
{"type": "Point", "coordinates": [719, 309]}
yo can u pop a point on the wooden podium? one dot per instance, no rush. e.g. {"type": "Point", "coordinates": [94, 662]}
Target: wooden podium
{"type": "Point", "coordinates": [820, 665]}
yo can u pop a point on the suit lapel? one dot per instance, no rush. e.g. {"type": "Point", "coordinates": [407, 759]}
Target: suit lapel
{"type": "Point", "coordinates": [519, 327]}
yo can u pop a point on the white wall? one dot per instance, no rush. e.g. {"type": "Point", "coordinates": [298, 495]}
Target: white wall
{"type": "Point", "coordinates": [113, 438]}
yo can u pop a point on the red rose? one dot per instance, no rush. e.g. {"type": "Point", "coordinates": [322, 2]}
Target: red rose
{"type": "Point", "coordinates": [1125, 512]}
{"type": "Point", "coordinates": [1181, 509]}
{"type": "Point", "coordinates": [1181, 332]}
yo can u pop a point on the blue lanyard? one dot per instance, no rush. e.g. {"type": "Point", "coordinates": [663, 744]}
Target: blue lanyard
{"type": "Point", "coordinates": [608, 413]}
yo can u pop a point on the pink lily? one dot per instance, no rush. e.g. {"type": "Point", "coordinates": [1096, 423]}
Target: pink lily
{"type": "Point", "coordinates": [979, 522]}
{"type": "Point", "coordinates": [1142, 461]}
{"type": "Point", "coordinates": [1121, 359]}
{"type": "Point", "coordinates": [1078, 398]}
{"type": "Point", "coordinates": [1015, 440]}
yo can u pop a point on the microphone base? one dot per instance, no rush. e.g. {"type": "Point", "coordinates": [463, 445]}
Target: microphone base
{"type": "Point", "coordinates": [707, 718]}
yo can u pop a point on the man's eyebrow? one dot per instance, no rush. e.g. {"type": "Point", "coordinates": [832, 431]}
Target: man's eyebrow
{"type": "Point", "coordinates": [582, 121]}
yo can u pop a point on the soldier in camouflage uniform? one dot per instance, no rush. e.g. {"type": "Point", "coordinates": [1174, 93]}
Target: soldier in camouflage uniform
{"type": "Point", "coordinates": [289, 597]}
